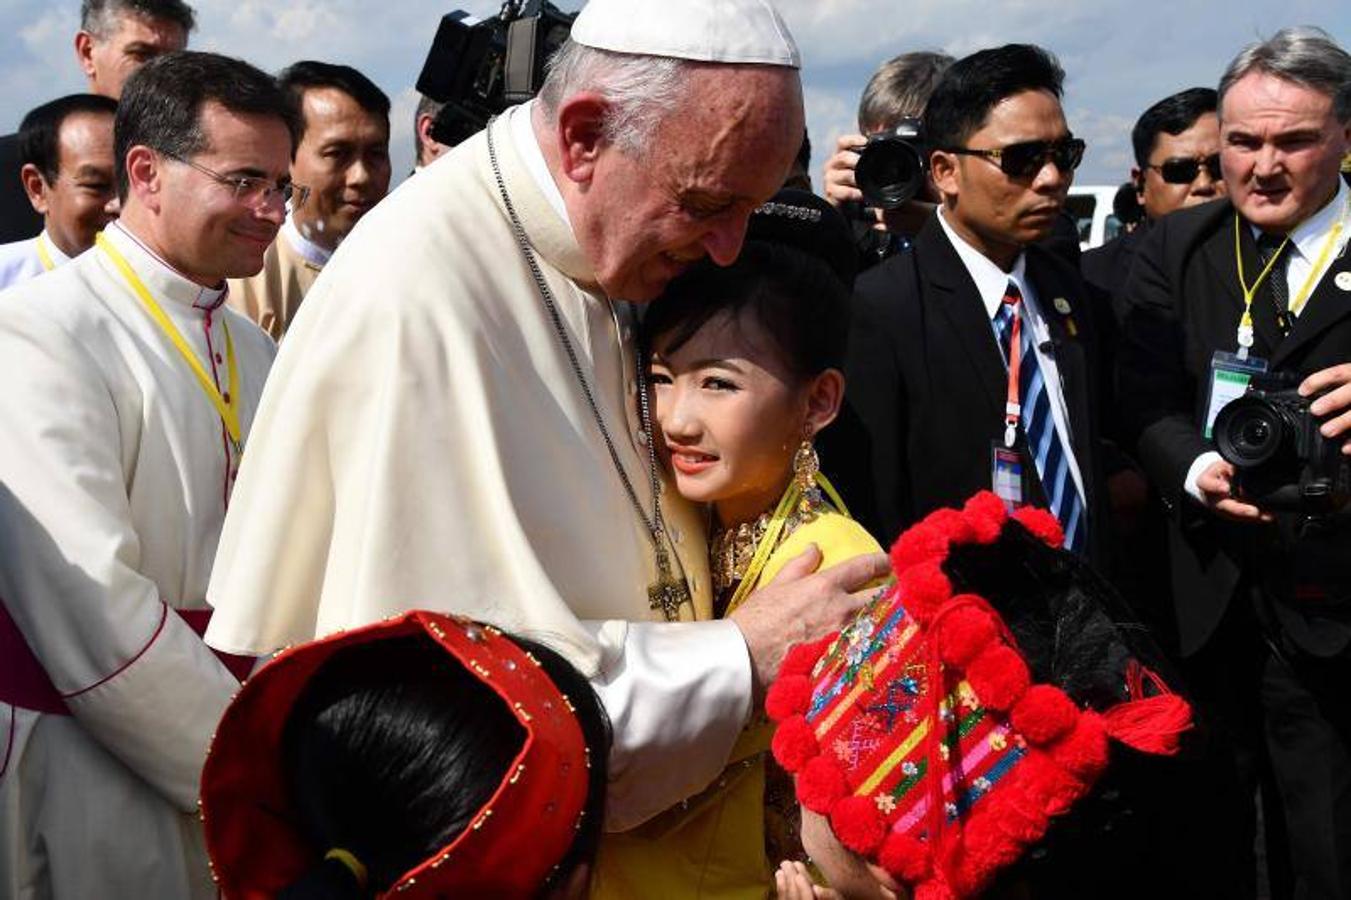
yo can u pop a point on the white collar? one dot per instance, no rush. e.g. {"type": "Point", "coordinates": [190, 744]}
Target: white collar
{"type": "Point", "coordinates": [309, 251]}
{"type": "Point", "coordinates": [991, 281]}
{"type": "Point", "coordinates": [59, 257]}
{"type": "Point", "coordinates": [162, 279]}
{"type": "Point", "coordinates": [522, 131]}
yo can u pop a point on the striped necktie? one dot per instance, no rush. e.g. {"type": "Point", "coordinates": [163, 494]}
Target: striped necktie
{"type": "Point", "coordinates": [1043, 440]}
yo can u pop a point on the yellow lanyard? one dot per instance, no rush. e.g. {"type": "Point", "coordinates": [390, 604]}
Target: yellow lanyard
{"type": "Point", "coordinates": [770, 541]}
{"type": "Point", "coordinates": [228, 404]}
{"type": "Point", "coordinates": [1296, 306]}
{"type": "Point", "coordinates": [44, 255]}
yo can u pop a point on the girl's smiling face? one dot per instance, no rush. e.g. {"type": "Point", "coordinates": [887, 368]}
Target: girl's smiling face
{"type": "Point", "coordinates": [731, 413]}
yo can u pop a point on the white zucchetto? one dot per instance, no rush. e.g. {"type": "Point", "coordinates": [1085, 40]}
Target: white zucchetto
{"type": "Point", "coordinates": [719, 31]}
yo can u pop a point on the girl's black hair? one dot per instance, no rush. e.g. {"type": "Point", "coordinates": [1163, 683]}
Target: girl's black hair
{"type": "Point", "coordinates": [394, 746]}
{"type": "Point", "coordinates": [797, 299]}
{"type": "Point", "coordinates": [794, 278]}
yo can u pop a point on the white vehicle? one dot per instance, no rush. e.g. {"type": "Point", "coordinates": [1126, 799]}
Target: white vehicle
{"type": "Point", "coordinates": [1091, 207]}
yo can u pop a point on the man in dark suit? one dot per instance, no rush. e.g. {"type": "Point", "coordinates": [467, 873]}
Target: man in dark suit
{"type": "Point", "coordinates": [1177, 164]}
{"type": "Point", "coordinates": [1263, 595]}
{"type": "Point", "coordinates": [929, 374]}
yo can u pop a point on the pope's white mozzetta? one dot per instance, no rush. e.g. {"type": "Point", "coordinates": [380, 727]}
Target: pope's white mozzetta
{"type": "Point", "coordinates": [115, 473]}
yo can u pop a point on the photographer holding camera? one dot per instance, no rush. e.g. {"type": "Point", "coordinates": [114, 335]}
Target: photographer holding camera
{"type": "Point", "coordinates": [1249, 295]}
{"type": "Point", "coordinates": [900, 196]}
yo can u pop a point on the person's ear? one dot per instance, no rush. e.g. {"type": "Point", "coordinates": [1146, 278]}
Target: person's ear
{"type": "Point", "coordinates": [145, 174]}
{"type": "Point", "coordinates": [581, 134]}
{"type": "Point", "coordinates": [1138, 179]}
{"type": "Point", "coordinates": [84, 52]}
{"type": "Point", "coordinates": [825, 395]}
{"type": "Point", "coordinates": [35, 186]}
{"type": "Point", "coordinates": [943, 169]}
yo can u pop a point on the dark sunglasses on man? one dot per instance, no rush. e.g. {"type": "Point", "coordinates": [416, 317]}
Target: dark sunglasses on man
{"type": "Point", "coordinates": [1183, 170]}
{"type": "Point", "coordinates": [1027, 159]}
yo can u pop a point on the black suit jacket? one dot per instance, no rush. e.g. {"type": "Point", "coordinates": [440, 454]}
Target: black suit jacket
{"type": "Point", "coordinates": [927, 382]}
{"type": "Point", "coordinates": [1184, 303]}
{"type": "Point", "coordinates": [18, 221]}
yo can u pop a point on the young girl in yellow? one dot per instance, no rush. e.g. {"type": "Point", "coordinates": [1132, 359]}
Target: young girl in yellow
{"type": "Point", "coordinates": [744, 371]}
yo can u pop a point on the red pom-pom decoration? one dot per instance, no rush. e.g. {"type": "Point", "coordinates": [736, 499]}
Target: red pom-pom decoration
{"type": "Point", "coordinates": [952, 523]}
{"type": "Point", "coordinates": [905, 858]}
{"type": "Point", "coordinates": [1044, 714]}
{"type": "Point", "coordinates": [1043, 525]}
{"type": "Point", "coordinates": [985, 515]}
{"type": "Point", "coordinates": [933, 890]}
{"type": "Point", "coordinates": [923, 589]}
{"type": "Point", "coordinates": [802, 658]}
{"type": "Point", "coordinates": [794, 743]}
{"type": "Point", "coordinates": [1052, 783]}
{"type": "Point", "coordinates": [917, 544]}
{"type": "Point", "coordinates": [820, 785]}
{"type": "Point", "coordinates": [999, 676]}
{"type": "Point", "coordinates": [964, 633]}
{"type": "Point", "coordinates": [1084, 750]}
{"type": "Point", "coordinates": [858, 824]}
{"type": "Point", "coordinates": [789, 696]}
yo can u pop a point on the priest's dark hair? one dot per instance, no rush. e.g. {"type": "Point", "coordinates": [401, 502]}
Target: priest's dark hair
{"type": "Point", "coordinates": [308, 75]}
{"type": "Point", "coordinates": [794, 278]}
{"type": "Point", "coordinates": [97, 16]}
{"type": "Point", "coordinates": [162, 102]}
{"type": "Point", "coordinates": [394, 746]}
{"type": "Point", "coordinates": [971, 87]}
{"type": "Point", "coordinates": [40, 130]}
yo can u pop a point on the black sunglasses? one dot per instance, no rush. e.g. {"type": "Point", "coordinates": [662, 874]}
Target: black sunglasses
{"type": "Point", "coordinates": [1184, 171]}
{"type": "Point", "coordinates": [1026, 159]}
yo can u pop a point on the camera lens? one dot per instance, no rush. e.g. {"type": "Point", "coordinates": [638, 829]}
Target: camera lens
{"type": "Point", "coordinates": [889, 172]}
{"type": "Point", "coordinates": [1249, 432]}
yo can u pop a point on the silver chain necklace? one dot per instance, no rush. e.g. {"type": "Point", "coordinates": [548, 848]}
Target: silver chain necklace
{"type": "Point", "coordinates": [668, 593]}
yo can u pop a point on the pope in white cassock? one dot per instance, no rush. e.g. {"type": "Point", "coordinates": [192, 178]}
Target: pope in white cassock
{"type": "Point", "coordinates": [455, 423]}
{"type": "Point", "coordinates": [130, 389]}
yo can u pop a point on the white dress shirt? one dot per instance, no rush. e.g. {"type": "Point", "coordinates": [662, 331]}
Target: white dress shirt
{"type": "Point", "coordinates": [21, 260]}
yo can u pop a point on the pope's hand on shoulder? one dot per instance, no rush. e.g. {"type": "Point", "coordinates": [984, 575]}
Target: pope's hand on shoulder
{"type": "Point", "coordinates": [802, 605]}
{"type": "Point", "coordinates": [1335, 405]}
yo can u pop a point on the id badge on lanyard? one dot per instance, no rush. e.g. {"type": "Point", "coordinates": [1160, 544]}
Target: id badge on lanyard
{"type": "Point", "coordinates": [1230, 375]}
{"type": "Point", "coordinates": [1008, 473]}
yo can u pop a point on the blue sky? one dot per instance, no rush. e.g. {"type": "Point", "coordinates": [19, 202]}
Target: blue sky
{"type": "Point", "coordinates": [1120, 56]}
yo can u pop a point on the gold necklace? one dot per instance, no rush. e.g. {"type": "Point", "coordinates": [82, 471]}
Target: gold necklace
{"type": "Point", "coordinates": [732, 549]}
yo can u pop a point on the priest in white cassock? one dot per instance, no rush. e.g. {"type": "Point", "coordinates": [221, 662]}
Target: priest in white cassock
{"type": "Point", "coordinates": [454, 421]}
{"type": "Point", "coordinates": [130, 390]}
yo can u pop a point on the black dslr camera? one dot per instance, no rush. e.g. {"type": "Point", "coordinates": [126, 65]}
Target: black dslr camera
{"type": "Point", "coordinates": [1282, 462]}
{"type": "Point", "coordinates": [478, 68]}
{"type": "Point", "coordinates": [892, 166]}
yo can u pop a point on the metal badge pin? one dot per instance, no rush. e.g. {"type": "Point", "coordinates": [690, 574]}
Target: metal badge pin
{"type": "Point", "coordinates": [1061, 305]}
{"type": "Point", "coordinates": [1343, 281]}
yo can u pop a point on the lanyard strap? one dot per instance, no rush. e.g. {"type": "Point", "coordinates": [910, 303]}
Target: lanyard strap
{"type": "Point", "coordinates": [227, 405]}
{"type": "Point", "coordinates": [1013, 407]}
{"type": "Point", "coordinates": [45, 255]}
{"type": "Point", "coordinates": [1296, 305]}
{"type": "Point", "coordinates": [770, 541]}
{"type": "Point", "coordinates": [1298, 301]}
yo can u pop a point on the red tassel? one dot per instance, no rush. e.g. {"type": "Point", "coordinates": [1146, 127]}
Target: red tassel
{"type": "Point", "coordinates": [1151, 725]}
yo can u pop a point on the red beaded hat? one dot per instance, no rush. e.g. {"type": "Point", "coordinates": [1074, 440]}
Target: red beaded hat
{"type": "Point", "coordinates": [512, 844]}
{"type": "Point", "coordinates": [918, 730]}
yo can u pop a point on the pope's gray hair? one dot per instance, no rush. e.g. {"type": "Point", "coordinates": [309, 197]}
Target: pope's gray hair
{"type": "Point", "coordinates": [642, 90]}
{"type": "Point", "coordinates": [1305, 55]}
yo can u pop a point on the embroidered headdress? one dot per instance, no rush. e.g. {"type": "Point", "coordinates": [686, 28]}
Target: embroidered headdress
{"type": "Point", "coordinates": [943, 729]}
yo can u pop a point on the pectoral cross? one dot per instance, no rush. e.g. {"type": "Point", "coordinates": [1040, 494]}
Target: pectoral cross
{"type": "Point", "coordinates": [667, 593]}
